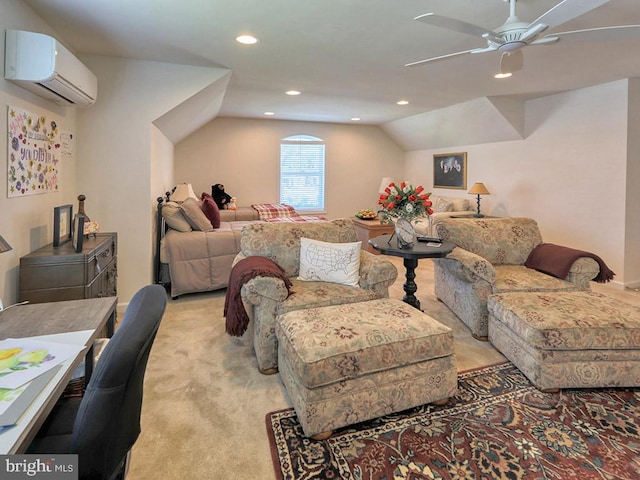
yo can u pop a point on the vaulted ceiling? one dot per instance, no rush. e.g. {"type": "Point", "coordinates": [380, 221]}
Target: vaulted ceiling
{"type": "Point", "coordinates": [347, 57]}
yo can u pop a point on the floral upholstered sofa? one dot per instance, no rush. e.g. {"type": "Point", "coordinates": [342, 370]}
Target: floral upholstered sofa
{"type": "Point", "coordinates": [264, 298]}
{"type": "Point", "coordinates": [489, 259]}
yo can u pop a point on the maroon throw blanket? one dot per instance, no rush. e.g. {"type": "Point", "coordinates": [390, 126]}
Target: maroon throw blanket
{"type": "Point", "coordinates": [237, 319]}
{"type": "Point", "coordinates": [557, 260]}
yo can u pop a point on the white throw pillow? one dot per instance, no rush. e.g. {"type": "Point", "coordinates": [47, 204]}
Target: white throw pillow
{"type": "Point", "coordinates": [330, 262]}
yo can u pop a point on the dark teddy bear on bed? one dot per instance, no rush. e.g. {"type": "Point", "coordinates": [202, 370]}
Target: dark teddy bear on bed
{"type": "Point", "coordinates": [219, 196]}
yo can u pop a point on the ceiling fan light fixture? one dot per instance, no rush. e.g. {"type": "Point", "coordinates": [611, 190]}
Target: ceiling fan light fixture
{"type": "Point", "coordinates": [502, 75]}
{"type": "Point", "coordinates": [513, 35]}
{"type": "Point", "coordinates": [402, 102]}
{"type": "Point", "coordinates": [247, 39]}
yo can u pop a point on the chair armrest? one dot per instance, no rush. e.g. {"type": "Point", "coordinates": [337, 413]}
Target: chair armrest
{"type": "Point", "coordinates": [468, 266]}
{"type": "Point", "coordinates": [582, 271]}
{"type": "Point", "coordinates": [376, 273]}
{"type": "Point", "coordinates": [259, 288]}
{"type": "Point", "coordinates": [261, 297]}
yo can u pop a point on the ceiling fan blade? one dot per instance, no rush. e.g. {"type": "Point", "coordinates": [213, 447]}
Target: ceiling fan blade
{"type": "Point", "coordinates": [450, 55]}
{"type": "Point", "coordinates": [453, 24]}
{"type": "Point", "coordinates": [511, 62]}
{"type": "Point", "coordinates": [567, 10]}
{"type": "Point", "coordinates": [602, 34]}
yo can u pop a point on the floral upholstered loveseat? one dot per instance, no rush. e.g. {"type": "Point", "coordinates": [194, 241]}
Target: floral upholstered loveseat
{"type": "Point", "coordinates": [489, 259]}
{"type": "Point", "coordinates": [264, 298]}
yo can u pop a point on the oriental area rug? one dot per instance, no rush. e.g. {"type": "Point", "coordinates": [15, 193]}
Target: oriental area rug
{"type": "Point", "coordinates": [498, 426]}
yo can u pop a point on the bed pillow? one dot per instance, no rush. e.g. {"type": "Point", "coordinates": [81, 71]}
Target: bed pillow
{"type": "Point", "coordinates": [442, 205]}
{"type": "Point", "coordinates": [195, 216]}
{"type": "Point", "coordinates": [330, 262]}
{"type": "Point", "coordinates": [174, 217]}
{"type": "Point", "coordinates": [211, 210]}
{"type": "Point", "coordinates": [460, 204]}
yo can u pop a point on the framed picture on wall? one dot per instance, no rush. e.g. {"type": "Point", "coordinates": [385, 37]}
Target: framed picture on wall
{"type": "Point", "coordinates": [450, 170]}
{"type": "Point", "coordinates": [62, 224]}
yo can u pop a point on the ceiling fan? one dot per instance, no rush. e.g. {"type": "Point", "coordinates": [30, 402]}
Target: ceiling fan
{"type": "Point", "coordinates": [514, 34]}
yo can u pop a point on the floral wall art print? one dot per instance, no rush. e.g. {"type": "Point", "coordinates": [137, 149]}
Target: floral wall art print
{"type": "Point", "coordinates": [36, 147]}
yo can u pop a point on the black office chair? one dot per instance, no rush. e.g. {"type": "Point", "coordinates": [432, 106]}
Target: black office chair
{"type": "Point", "coordinates": [103, 425]}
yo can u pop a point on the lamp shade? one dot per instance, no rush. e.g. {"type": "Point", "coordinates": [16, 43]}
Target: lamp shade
{"type": "Point", "coordinates": [4, 246]}
{"type": "Point", "coordinates": [384, 184]}
{"type": "Point", "coordinates": [182, 192]}
{"type": "Point", "coordinates": [479, 189]}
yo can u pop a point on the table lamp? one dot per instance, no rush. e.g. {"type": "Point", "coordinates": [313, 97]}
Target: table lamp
{"type": "Point", "coordinates": [384, 184]}
{"type": "Point", "coordinates": [479, 189]}
{"type": "Point", "coordinates": [182, 192]}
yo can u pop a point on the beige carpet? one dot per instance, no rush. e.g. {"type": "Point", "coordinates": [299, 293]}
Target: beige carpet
{"type": "Point", "coordinates": [205, 402]}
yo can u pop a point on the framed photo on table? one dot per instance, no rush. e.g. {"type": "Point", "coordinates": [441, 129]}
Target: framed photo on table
{"type": "Point", "coordinates": [62, 224]}
{"type": "Point", "coordinates": [450, 170]}
{"type": "Point", "coordinates": [78, 233]}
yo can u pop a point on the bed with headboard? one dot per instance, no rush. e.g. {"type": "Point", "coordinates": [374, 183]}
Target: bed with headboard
{"type": "Point", "coordinates": [196, 242]}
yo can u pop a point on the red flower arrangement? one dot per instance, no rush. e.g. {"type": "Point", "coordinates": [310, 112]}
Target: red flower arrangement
{"type": "Point", "coordinates": [404, 201]}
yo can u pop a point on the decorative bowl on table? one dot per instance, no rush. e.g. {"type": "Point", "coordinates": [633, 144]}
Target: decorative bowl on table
{"type": "Point", "coordinates": [366, 214]}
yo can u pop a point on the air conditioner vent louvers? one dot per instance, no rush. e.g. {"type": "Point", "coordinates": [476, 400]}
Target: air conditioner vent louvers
{"type": "Point", "coordinates": [38, 63]}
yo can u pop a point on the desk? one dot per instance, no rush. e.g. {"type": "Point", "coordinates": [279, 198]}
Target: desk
{"type": "Point", "coordinates": [411, 257]}
{"type": "Point", "coordinates": [77, 322]}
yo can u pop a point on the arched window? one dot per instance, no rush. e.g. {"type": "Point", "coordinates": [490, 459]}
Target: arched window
{"type": "Point", "coordinates": [302, 172]}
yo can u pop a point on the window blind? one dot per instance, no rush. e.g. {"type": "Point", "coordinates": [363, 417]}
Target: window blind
{"type": "Point", "coordinates": [302, 159]}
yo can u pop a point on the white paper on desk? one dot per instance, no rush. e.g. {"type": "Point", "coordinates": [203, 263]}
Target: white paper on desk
{"type": "Point", "coordinates": [23, 359]}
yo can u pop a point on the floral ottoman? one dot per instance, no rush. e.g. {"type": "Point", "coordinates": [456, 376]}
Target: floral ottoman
{"type": "Point", "coordinates": [568, 339]}
{"type": "Point", "coordinates": [344, 364]}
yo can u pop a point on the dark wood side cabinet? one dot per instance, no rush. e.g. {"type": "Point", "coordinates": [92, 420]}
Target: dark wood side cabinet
{"type": "Point", "coordinates": [53, 274]}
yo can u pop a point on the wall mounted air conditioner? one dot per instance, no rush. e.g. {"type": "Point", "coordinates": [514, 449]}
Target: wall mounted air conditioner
{"type": "Point", "coordinates": [42, 65]}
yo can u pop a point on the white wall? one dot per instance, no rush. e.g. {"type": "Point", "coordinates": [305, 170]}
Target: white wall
{"type": "Point", "coordinates": [122, 155]}
{"type": "Point", "coordinates": [569, 173]}
{"type": "Point", "coordinates": [244, 155]}
{"type": "Point", "coordinates": [27, 222]}
{"type": "Point", "coordinates": [161, 175]}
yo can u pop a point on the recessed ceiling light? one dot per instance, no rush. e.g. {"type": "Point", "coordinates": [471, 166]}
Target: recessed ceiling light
{"type": "Point", "coordinates": [293, 92]}
{"type": "Point", "coordinates": [403, 102]}
{"type": "Point", "coordinates": [246, 39]}
{"type": "Point", "coordinates": [502, 75]}
{"type": "Point", "coordinates": [355, 119]}
{"type": "Point", "coordinates": [269, 113]}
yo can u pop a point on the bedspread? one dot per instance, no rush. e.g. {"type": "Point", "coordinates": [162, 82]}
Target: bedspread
{"type": "Point", "coordinates": [201, 261]}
